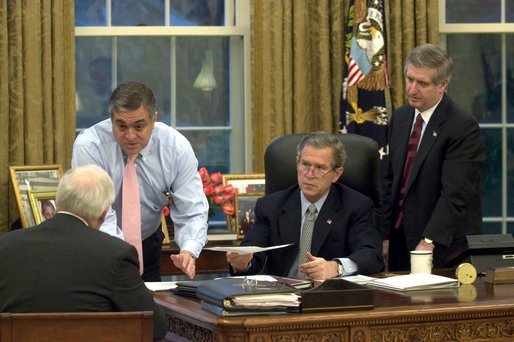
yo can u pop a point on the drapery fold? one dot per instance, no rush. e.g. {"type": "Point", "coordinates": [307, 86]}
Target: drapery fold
{"type": "Point", "coordinates": [37, 89]}
{"type": "Point", "coordinates": [296, 56]}
{"type": "Point", "coordinates": [297, 62]}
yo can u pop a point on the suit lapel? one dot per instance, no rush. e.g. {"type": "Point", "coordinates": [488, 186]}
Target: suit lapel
{"type": "Point", "coordinates": [404, 130]}
{"type": "Point", "coordinates": [289, 225]}
{"type": "Point", "coordinates": [325, 221]}
{"type": "Point", "coordinates": [432, 132]}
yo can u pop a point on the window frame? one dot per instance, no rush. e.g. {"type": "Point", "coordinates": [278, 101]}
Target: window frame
{"type": "Point", "coordinates": [503, 29]}
{"type": "Point", "coordinates": [240, 91]}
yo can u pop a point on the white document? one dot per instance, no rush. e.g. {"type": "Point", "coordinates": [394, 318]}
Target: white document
{"type": "Point", "coordinates": [160, 285]}
{"type": "Point", "coordinates": [244, 249]}
{"type": "Point", "coordinates": [412, 282]}
{"type": "Point", "coordinates": [358, 279]}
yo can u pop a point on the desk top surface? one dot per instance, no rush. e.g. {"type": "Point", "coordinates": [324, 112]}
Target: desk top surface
{"type": "Point", "coordinates": [480, 299]}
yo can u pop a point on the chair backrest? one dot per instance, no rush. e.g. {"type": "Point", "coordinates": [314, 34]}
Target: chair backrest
{"type": "Point", "coordinates": [361, 170]}
{"type": "Point", "coordinates": [77, 326]}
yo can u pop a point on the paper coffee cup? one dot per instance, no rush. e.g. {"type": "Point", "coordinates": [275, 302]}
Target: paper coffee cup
{"type": "Point", "coordinates": [420, 262]}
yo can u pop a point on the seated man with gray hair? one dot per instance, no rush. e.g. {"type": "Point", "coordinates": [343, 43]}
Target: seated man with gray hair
{"type": "Point", "coordinates": [65, 264]}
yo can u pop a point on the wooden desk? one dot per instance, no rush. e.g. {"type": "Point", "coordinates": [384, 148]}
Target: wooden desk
{"type": "Point", "coordinates": [437, 315]}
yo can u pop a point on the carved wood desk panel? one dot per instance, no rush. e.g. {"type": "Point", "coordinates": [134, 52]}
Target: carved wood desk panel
{"type": "Point", "coordinates": [478, 312]}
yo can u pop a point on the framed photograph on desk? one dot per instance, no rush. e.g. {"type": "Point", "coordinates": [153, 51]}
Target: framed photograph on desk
{"type": "Point", "coordinates": [246, 184]}
{"type": "Point", "coordinates": [245, 213]}
{"type": "Point", "coordinates": [43, 204]}
{"type": "Point", "coordinates": [28, 178]}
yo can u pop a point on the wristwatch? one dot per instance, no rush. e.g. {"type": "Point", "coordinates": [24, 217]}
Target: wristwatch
{"type": "Point", "coordinates": [340, 268]}
{"type": "Point", "coordinates": [427, 240]}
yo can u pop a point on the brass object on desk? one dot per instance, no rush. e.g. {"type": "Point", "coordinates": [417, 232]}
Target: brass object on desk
{"type": "Point", "coordinates": [466, 273]}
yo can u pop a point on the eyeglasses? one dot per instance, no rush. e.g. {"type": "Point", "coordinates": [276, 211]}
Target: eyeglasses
{"type": "Point", "coordinates": [317, 171]}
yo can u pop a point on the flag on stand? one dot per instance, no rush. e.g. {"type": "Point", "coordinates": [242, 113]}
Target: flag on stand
{"type": "Point", "coordinates": [363, 104]}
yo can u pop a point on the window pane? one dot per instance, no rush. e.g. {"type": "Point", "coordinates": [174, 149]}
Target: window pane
{"type": "Point", "coordinates": [93, 78]}
{"type": "Point", "coordinates": [510, 75]}
{"type": "Point", "coordinates": [510, 172]}
{"type": "Point", "coordinates": [137, 12]}
{"type": "Point", "coordinates": [212, 148]}
{"type": "Point", "coordinates": [479, 91]}
{"type": "Point", "coordinates": [473, 11]}
{"type": "Point", "coordinates": [492, 177]}
{"type": "Point", "coordinates": [192, 13]}
{"type": "Point", "coordinates": [510, 228]}
{"type": "Point", "coordinates": [203, 83]}
{"type": "Point", "coordinates": [147, 60]}
{"type": "Point", "coordinates": [90, 13]}
{"type": "Point", "coordinates": [491, 228]}
{"type": "Point", "coordinates": [509, 11]}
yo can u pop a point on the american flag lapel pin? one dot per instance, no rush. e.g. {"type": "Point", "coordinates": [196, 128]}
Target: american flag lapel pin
{"type": "Point", "coordinates": [329, 221]}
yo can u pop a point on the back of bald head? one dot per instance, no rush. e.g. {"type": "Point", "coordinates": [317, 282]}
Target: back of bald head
{"type": "Point", "coordinates": [86, 191]}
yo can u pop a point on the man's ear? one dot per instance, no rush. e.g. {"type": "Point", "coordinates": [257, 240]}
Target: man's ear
{"type": "Point", "coordinates": [101, 219]}
{"type": "Point", "coordinates": [337, 173]}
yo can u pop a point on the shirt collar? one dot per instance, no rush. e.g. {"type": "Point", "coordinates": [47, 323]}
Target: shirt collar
{"type": "Point", "coordinates": [306, 203]}
{"type": "Point", "coordinates": [72, 214]}
{"type": "Point", "coordinates": [427, 114]}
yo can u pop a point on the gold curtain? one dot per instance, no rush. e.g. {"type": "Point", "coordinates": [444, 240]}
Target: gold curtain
{"type": "Point", "coordinates": [297, 62]}
{"type": "Point", "coordinates": [408, 23]}
{"type": "Point", "coordinates": [296, 68]}
{"type": "Point", "coordinates": [37, 89]}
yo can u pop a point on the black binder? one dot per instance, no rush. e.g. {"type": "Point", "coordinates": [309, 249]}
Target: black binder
{"type": "Point", "coordinates": [223, 292]}
{"type": "Point", "coordinates": [337, 294]}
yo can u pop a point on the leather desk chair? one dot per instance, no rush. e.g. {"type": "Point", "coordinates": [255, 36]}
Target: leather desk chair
{"type": "Point", "coordinates": [361, 170]}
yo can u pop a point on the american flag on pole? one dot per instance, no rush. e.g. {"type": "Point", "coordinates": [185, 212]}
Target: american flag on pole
{"type": "Point", "coordinates": [363, 103]}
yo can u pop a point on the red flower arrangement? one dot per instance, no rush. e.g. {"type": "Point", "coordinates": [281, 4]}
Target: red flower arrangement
{"type": "Point", "coordinates": [219, 195]}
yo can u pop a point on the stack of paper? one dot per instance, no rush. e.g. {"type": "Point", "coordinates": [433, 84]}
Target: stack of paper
{"type": "Point", "coordinates": [413, 282]}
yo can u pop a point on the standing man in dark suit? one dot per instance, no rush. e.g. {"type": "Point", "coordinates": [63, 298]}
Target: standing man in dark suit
{"type": "Point", "coordinates": [66, 264]}
{"type": "Point", "coordinates": [432, 187]}
{"type": "Point", "coordinates": [343, 242]}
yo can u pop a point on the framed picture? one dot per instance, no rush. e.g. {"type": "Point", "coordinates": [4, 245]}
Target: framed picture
{"type": "Point", "coordinates": [245, 184]}
{"type": "Point", "coordinates": [42, 203]}
{"type": "Point", "coordinates": [28, 178]}
{"type": "Point", "coordinates": [245, 212]}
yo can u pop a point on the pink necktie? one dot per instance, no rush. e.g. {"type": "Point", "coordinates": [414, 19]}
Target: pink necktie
{"type": "Point", "coordinates": [131, 209]}
{"type": "Point", "coordinates": [412, 149]}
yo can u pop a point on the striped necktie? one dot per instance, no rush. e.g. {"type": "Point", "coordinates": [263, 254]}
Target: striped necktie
{"type": "Point", "coordinates": [412, 149]}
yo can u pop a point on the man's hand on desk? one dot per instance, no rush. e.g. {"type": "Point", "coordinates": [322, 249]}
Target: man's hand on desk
{"type": "Point", "coordinates": [185, 261]}
{"type": "Point", "coordinates": [239, 262]}
{"type": "Point", "coordinates": [319, 268]}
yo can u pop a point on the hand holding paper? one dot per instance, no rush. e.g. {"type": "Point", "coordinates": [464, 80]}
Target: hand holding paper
{"type": "Point", "coordinates": [239, 262]}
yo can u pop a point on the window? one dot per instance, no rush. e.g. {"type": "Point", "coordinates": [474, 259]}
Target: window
{"type": "Point", "coordinates": [479, 36]}
{"type": "Point", "coordinates": [193, 54]}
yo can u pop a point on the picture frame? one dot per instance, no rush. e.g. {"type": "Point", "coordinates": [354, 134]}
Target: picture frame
{"type": "Point", "coordinates": [245, 184]}
{"type": "Point", "coordinates": [28, 178]}
{"type": "Point", "coordinates": [245, 212]}
{"type": "Point", "coordinates": [42, 203]}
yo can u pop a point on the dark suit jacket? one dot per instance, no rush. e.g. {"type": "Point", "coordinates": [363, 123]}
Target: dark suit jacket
{"type": "Point", "coordinates": [343, 228]}
{"type": "Point", "coordinates": [443, 197]}
{"type": "Point", "coordinates": [62, 265]}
